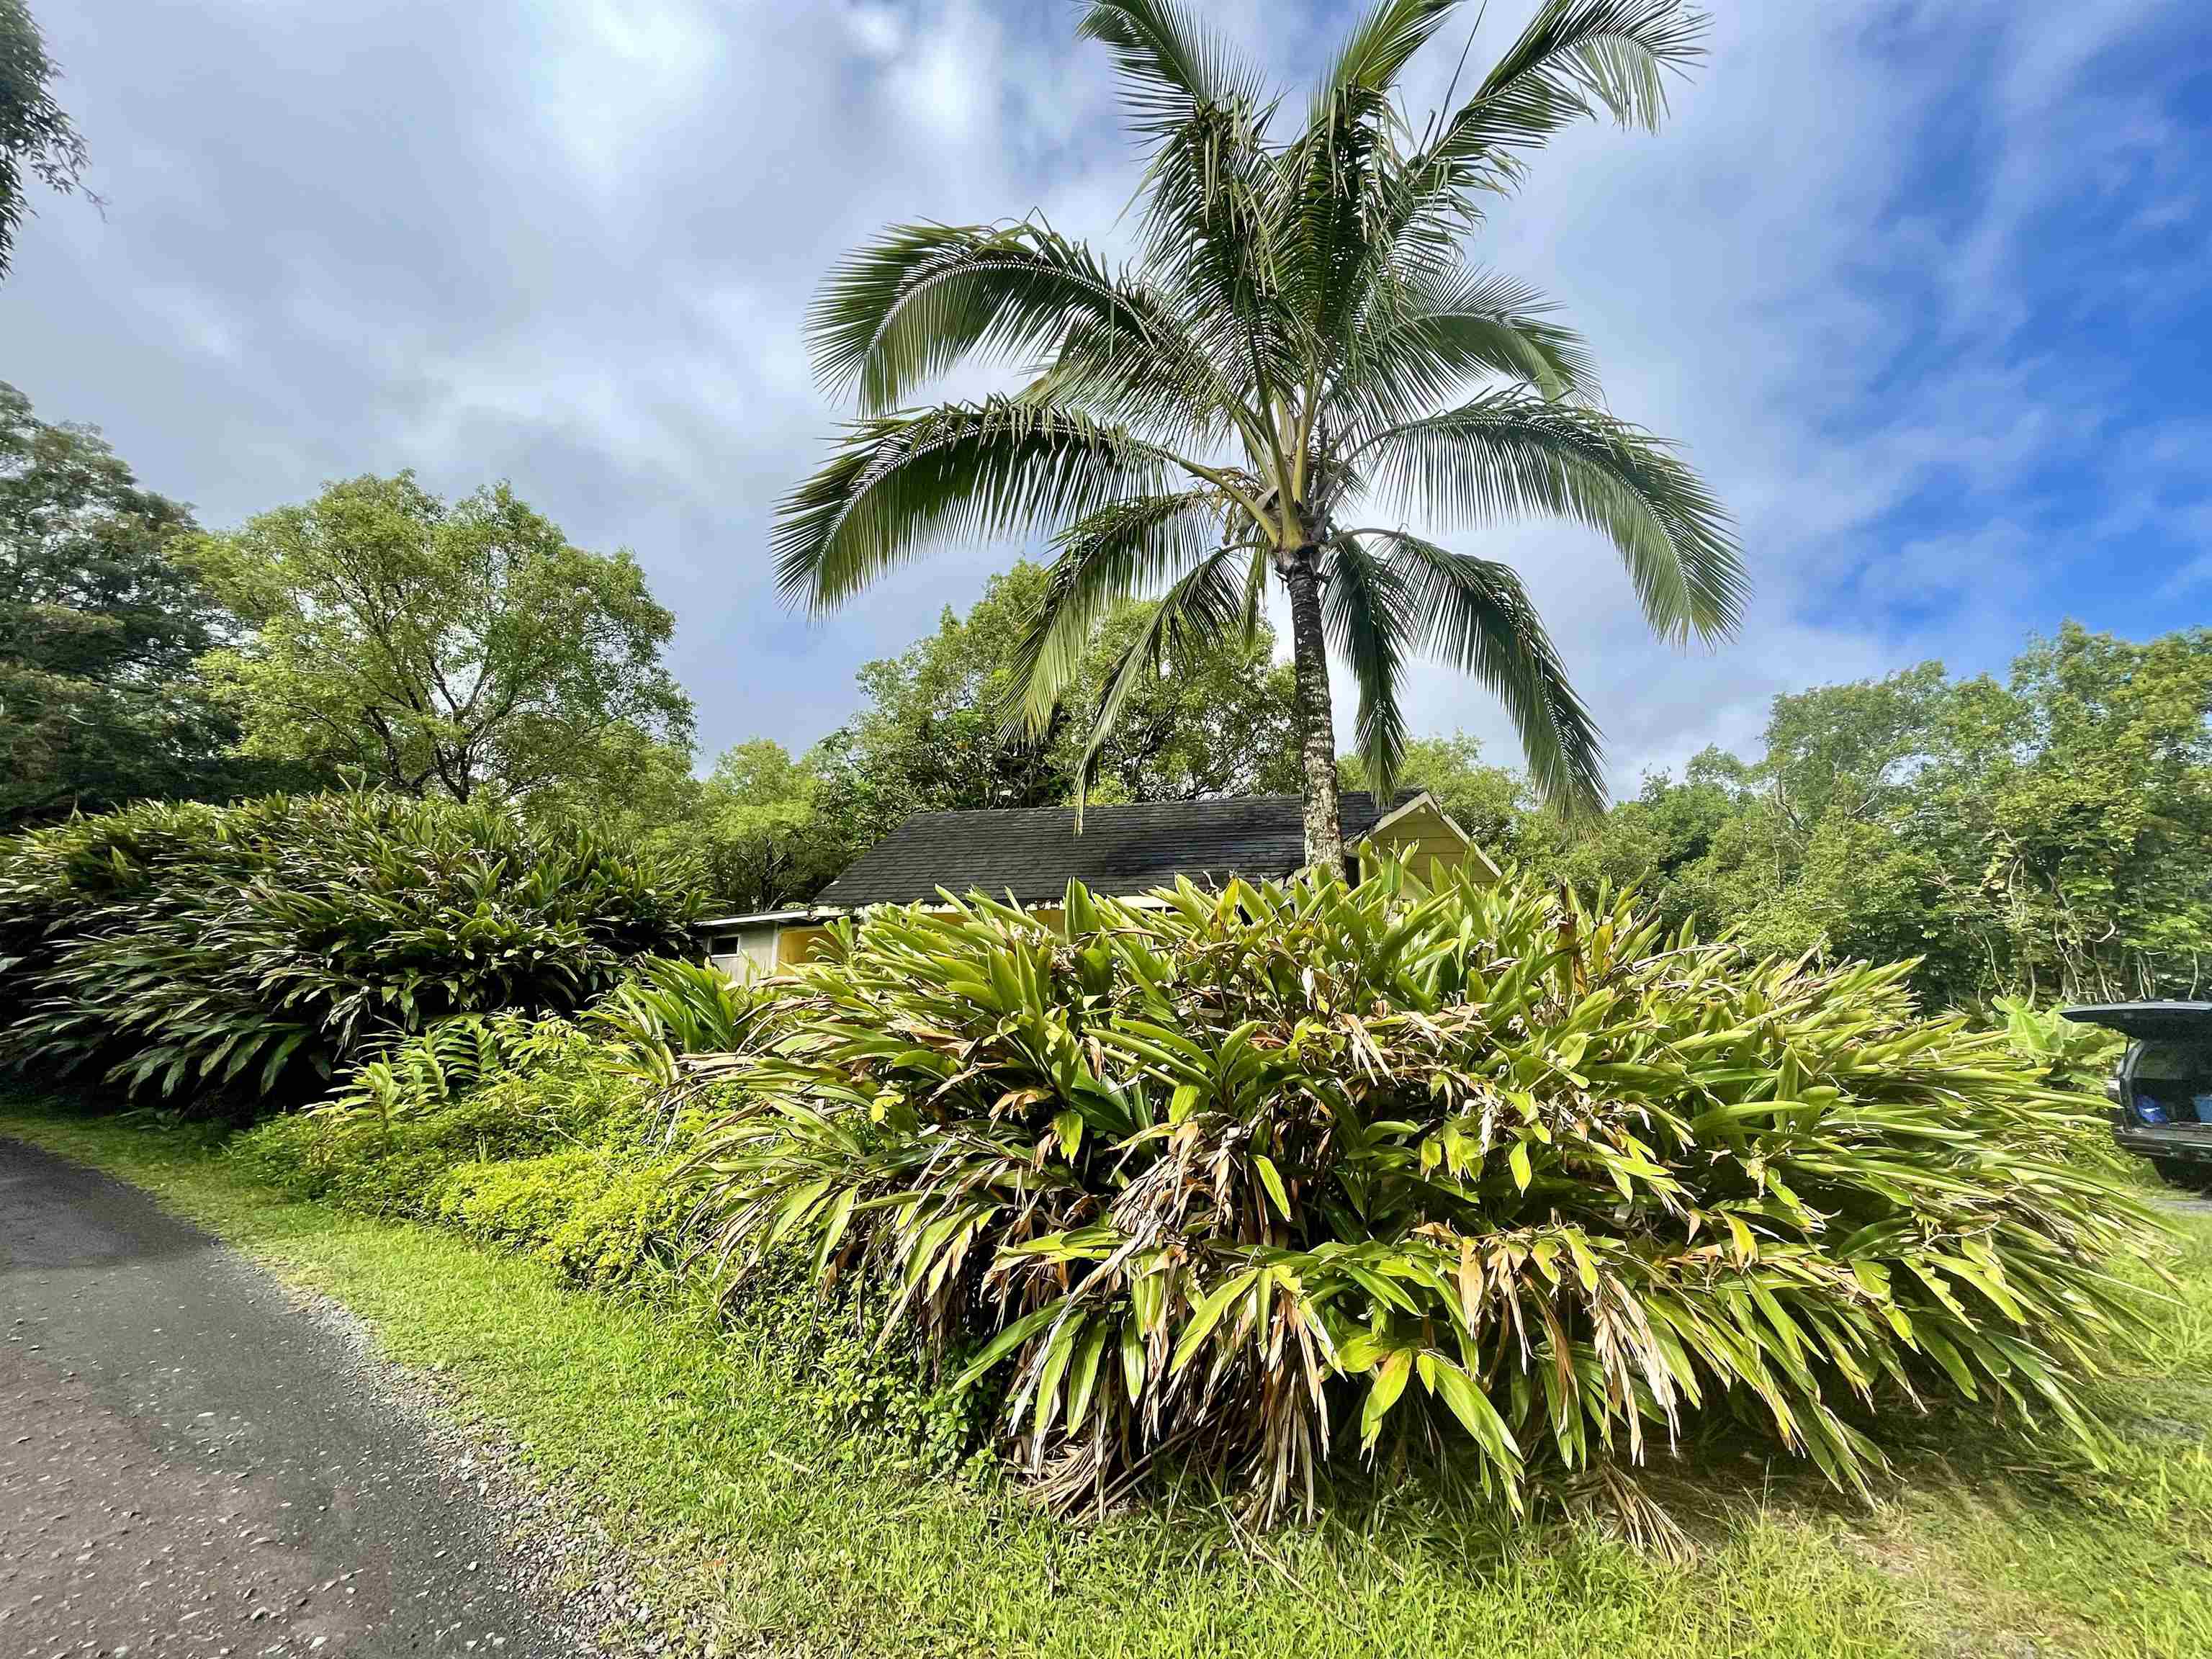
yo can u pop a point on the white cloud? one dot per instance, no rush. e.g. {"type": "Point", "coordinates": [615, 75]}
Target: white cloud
{"type": "Point", "coordinates": [613, 73]}
{"type": "Point", "coordinates": [573, 244]}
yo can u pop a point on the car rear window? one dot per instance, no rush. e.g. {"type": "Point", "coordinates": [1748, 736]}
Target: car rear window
{"type": "Point", "coordinates": [2173, 1082]}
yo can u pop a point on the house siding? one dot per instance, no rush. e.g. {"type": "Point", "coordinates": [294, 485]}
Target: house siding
{"type": "Point", "coordinates": [1428, 844]}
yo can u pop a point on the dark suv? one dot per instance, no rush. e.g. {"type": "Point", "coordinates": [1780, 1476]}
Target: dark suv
{"type": "Point", "coordinates": [2161, 1091]}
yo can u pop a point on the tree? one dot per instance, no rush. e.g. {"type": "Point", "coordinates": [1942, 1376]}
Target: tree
{"type": "Point", "coordinates": [758, 833]}
{"type": "Point", "coordinates": [1299, 339]}
{"type": "Point", "coordinates": [2049, 837]}
{"type": "Point", "coordinates": [2076, 807]}
{"type": "Point", "coordinates": [438, 648]}
{"type": "Point", "coordinates": [932, 736]}
{"type": "Point", "coordinates": [37, 138]}
{"type": "Point", "coordinates": [1219, 719]}
{"type": "Point", "coordinates": [99, 628]}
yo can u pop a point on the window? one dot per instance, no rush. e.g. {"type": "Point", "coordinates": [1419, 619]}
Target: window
{"type": "Point", "coordinates": [2173, 1082]}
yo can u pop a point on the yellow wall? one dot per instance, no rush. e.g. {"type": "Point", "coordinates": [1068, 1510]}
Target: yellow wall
{"type": "Point", "coordinates": [797, 943]}
{"type": "Point", "coordinates": [1428, 845]}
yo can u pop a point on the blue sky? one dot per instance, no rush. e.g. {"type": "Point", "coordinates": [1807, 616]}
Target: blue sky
{"type": "Point", "coordinates": [1919, 286]}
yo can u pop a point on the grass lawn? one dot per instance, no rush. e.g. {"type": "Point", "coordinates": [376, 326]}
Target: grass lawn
{"type": "Point", "coordinates": [689, 1452]}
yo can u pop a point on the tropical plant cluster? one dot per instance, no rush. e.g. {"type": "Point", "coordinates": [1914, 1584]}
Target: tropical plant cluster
{"type": "Point", "coordinates": [203, 953]}
{"type": "Point", "coordinates": [1487, 1176]}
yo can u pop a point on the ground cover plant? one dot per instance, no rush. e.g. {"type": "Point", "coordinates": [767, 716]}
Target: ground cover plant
{"type": "Point", "coordinates": [1485, 1177]}
{"type": "Point", "coordinates": [557, 1135]}
{"type": "Point", "coordinates": [203, 952]}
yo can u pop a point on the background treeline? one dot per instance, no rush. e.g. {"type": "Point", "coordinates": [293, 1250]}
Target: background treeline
{"type": "Point", "coordinates": [2047, 834]}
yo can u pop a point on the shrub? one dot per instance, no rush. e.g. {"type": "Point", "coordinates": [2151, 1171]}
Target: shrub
{"type": "Point", "coordinates": [261, 945]}
{"type": "Point", "coordinates": [560, 1139]}
{"type": "Point", "coordinates": [1239, 1180]}
{"type": "Point", "coordinates": [469, 1090]}
{"type": "Point", "coordinates": [2067, 1055]}
{"type": "Point", "coordinates": [558, 1135]}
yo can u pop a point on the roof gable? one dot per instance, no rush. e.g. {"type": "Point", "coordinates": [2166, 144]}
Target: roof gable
{"type": "Point", "coordinates": [1034, 852]}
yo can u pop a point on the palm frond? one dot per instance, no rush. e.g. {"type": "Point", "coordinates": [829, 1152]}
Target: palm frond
{"type": "Point", "coordinates": [1183, 387]}
{"type": "Point", "coordinates": [1475, 614]}
{"type": "Point", "coordinates": [1212, 191]}
{"type": "Point", "coordinates": [1574, 58]}
{"type": "Point", "coordinates": [1172, 66]}
{"type": "Point", "coordinates": [1365, 606]}
{"type": "Point", "coordinates": [909, 306]}
{"type": "Point", "coordinates": [1110, 556]}
{"type": "Point", "coordinates": [1201, 611]}
{"type": "Point", "coordinates": [968, 469]}
{"type": "Point", "coordinates": [1450, 328]}
{"type": "Point", "coordinates": [1507, 454]}
{"type": "Point", "coordinates": [1380, 45]}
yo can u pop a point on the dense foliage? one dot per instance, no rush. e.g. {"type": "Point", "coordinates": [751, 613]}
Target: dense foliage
{"type": "Point", "coordinates": [101, 629]}
{"type": "Point", "coordinates": [1244, 1179]}
{"type": "Point", "coordinates": [438, 646]}
{"type": "Point", "coordinates": [541, 1135]}
{"type": "Point", "coordinates": [251, 949]}
{"type": "Point", "coordinates": [2047, 836]}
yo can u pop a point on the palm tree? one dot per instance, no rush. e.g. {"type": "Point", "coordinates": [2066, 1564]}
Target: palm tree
{"type": "Point", "coordinates": [1297, 347]}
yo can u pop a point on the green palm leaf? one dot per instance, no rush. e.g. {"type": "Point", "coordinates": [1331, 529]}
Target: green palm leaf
{"type": "Point", "coordinates": [977, 470]}
{"type": "Point", "coordinates": [1104, 560]}
{"type": "Point", "coordinates": [1300, 331]}
{"type": "Point", "coordinates": [1507, 455]}
{"type": "Point", "coordinates": [1474, 614]}
{"type": "Point", "coordinates": [1370, 619]}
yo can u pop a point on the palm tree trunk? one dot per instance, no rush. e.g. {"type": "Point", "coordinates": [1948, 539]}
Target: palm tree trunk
{"type": "Point", "coordinates": [1316, 723]}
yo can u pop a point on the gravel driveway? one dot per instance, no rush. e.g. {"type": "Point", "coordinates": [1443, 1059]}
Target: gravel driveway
{"type": "Point", "coordinates": [193, 1461]}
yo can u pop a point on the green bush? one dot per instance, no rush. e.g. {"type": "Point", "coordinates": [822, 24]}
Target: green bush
{"type": "Point", "coordinates": [601, 1217]}
{"type": "Point", "coordinates": [2068, 1054]}
{"type": "Point", "coordinates": [555, 1135]}
{"type": "Point", "coordinates": [560, 1139]}
{"type": "Point", "coordinates": [259, 947]}
{"type": "Point", "coordinates": [400, 1123]}
{"type": "Point", "coordinates": [1245, 1180]}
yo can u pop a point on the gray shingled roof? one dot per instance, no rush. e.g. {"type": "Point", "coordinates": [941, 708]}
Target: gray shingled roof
{"type": "Point", "coordinates": [1034, 852]}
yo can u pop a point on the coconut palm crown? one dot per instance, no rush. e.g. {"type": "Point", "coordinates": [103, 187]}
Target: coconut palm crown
{"type": "Point", "coordinates": [1297, 362]}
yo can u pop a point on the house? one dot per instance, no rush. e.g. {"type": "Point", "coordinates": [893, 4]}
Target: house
{"type": "Point", "coordinates": [1122, 852]}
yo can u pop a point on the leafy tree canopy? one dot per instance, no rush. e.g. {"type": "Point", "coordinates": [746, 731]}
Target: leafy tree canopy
{"type": "Point", "coordinates": [37, 138]}
{"type": "Point", "coordinates": [440, 648]}
{"type": "Point", "coordinates": [766, 829]}
{"type": "Point", "coordinates": [99, 628]}
{"type": "Point", "coordinates": [935, 732]}
{"type": "Point", "coordinates": [2049, 837]}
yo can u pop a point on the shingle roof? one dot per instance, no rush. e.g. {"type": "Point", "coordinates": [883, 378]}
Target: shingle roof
{"type": "Point", "coordinates": [1033, 852]}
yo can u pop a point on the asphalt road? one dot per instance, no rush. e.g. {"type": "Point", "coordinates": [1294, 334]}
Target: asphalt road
{"type": "Point", "coordinates": [194, 1462]}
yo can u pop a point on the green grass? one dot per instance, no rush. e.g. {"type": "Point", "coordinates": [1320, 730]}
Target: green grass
{"type": "Point", "coordinates": [685, 1446]}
